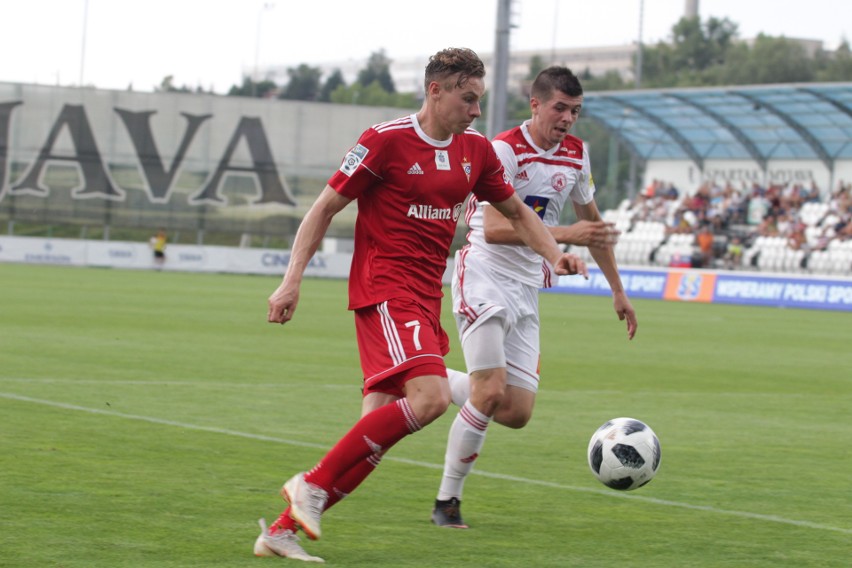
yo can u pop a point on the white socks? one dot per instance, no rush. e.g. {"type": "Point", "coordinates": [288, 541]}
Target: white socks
{"type": "Point", "coordinates": [467, 435]}
{"type": "Point", "coordinates": [459, 386]}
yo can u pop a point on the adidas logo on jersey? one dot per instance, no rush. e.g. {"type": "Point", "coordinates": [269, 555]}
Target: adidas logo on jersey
{"type": "Point", "coordinates": [522, 175]}
{"type": "Point", "coordinates": [415, 169]}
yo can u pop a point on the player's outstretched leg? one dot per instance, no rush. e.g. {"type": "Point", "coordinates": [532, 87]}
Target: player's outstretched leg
{"type": "Point", "coordinates": [307, 502]}
{"type": "Point", "coordinates": [283, 543]}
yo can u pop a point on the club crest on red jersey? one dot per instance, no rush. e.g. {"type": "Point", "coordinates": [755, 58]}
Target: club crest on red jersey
{"type": "Point", "coordinates": [466, 167]}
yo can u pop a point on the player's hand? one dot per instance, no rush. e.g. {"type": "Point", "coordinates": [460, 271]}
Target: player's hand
{"type": "Point", "coordinates": [282, 304]}
{"type": "Point", "coordinates": [625, 311]}
{"type": "Point", "coordinates": [592, 234]}
{"type": "Point", "coordinates": [571, 264]}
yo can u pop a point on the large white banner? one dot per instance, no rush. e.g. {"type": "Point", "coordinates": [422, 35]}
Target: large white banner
{"type": "Point", "coordinates": [192, 258]}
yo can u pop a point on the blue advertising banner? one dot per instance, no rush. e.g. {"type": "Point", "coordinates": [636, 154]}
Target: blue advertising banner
{"type": "Point", "coordinates": [637, 283]}
{"type": "Point", "coordinates": [783, 292]}
{"type": "Point", "coordinates": [753, 289]}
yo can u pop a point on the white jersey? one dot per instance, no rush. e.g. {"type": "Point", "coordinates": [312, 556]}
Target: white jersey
{"type": "Point", "coordinates": [543, 179]}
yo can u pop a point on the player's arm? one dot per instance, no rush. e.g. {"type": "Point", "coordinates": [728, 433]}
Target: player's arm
{"type": "Point", "coordinates": [282, 302]}
{"type": "Point", "coordinates": [605, 259]}
{"type": "Point", "coordinates": [535, 235]}
{"type": "Point", "coordinates": [498, 230]}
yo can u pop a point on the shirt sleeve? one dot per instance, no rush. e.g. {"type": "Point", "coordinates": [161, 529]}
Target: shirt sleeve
{"type": "Point", "coordinates": [493, 185]}
{"type": "Point", "coordinates": [584, 190]}
{"type": "Point", "coordinates": [507, 157]}
{"type": "Point", "coordinates": [360, 167]}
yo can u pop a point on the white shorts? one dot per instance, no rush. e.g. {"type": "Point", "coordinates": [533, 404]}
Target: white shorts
{"type": "Point", "coordinates": [480, 294]}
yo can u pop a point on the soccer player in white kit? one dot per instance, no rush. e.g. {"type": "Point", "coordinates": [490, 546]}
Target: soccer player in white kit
{"type": "Point", "coordinates": [496, 278]}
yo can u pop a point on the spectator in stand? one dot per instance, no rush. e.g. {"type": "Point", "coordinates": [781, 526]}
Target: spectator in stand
{"type": "Point", "coordinates": [672, 192]}
{"type": "Point", "coordinates": [715, 204]}
{"type": "Point", "coordinates": [769, 226]}
{"type": "Point", "coordinates": [796, 237]}
{"type": "Point", "coordinates": [773, 194]}
{"type": "Point", "coordinates": [733, 205]}
{"type": "Point", "coordinates": [841, 201]}
{"type": "Point", "coordinates": [758, 205]}
{"type": "Point", "coordinates": [700, 201]}
{"type": "Point", "coordinates": [791, 196]}
{"type": "Point", "coordinates": [814, 195]}
{"type": "Point", "coordinates": [651, 190]}
{"type": "Point", "coordinates": [719, 225]}
{"type": "Point", "coordinates": [843, 230]}
{"type": "Point", "coordinates": [734, 254]}
{"type": "Point", "coordinates": [784, 224]}
{"type": "Point", "coordinates": [704, 238]}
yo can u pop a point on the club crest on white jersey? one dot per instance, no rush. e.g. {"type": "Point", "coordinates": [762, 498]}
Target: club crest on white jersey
{"type": "Point", "coordinates": [559, 181]}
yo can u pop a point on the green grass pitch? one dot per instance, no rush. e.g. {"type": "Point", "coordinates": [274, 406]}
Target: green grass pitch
{"type": "Point", "coordinates": [149, 418]}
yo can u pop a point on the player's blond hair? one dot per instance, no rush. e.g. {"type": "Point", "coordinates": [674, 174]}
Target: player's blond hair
{"type": "Point", "coordinates": [454, 61]}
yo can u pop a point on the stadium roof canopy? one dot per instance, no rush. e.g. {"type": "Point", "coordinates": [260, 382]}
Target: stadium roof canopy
{"type": "Point", "coordinates": [771, 122]}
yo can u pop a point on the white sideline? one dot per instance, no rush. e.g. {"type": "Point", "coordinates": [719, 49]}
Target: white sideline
{"type": "Point", "coordinates": [500, 476]}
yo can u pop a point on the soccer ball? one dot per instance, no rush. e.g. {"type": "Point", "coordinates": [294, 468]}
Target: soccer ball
{"type": "Point", "coordinates": [624, 454]}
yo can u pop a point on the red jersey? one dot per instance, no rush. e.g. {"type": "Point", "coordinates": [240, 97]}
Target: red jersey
{"type": "Point", "coordinates": [410, 190]}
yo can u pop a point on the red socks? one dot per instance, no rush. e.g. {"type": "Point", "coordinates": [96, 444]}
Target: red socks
{"type": "Point", "coordinates": [374, 433]}
{"type": "Point", "coordinates": [365, 443]}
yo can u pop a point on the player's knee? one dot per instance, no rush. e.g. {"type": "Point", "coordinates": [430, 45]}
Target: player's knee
{"type": "Point", "coordinates": [488, 390]}
{"type": "Point", "coordinates": [491, 398]}
{"type": "Point", "coordinates": [432, 409]}
{"type": "Point", "coordinates": [429, 399]}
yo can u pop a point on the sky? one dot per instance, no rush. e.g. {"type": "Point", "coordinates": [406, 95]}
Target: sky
{"type": "Point", "coordinates": [119, 44]}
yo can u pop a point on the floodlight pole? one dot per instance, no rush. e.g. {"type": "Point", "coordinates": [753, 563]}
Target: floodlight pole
{"type": "Point", "coordinates": [264, 7]}
{"type": "Point", "coordinates": [83, 41]}
{"type": "Point", "coordinates": [631, 190]}
{"type": "Point", "coordinates": [497, 101]}
{"type": "Point", "coordinates": [639, 46]}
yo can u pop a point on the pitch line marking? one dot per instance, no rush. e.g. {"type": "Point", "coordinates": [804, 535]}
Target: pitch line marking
{"type": "Point", "coordinates": [500, 476]}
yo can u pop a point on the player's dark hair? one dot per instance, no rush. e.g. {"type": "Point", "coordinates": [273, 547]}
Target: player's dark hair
{"type": "Point", "coordinates": [555, 78]}
{"type": "Point", "coordinates": [451, 61]}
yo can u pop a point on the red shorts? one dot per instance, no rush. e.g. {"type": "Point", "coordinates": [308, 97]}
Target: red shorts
{"type": "Point", "coordinates": [398, 340]}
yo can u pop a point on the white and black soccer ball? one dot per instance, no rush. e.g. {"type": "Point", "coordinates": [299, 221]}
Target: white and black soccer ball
{"type": "Point", "coordinates": [624, 454]}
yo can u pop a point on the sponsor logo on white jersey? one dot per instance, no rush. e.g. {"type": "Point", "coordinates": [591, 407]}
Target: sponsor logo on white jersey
{"type": "Point", "coordinates": [415, 169]}
{"type": "Point", "coordinates": [353, 159]}
{"type": "Point", "coordinates": [420, 211]}
{"type": "Point", "coordinates": [522, 175]}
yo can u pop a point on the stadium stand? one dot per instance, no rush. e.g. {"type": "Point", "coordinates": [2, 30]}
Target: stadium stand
{"type": "Point", "coordinates": [782, 228]}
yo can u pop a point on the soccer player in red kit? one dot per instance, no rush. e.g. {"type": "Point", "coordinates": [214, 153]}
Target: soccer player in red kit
{"type": "Point", "coordinates": [411, 177]}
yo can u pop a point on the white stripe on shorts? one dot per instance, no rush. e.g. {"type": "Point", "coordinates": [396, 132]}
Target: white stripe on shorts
{"type": "Point", "coordinates": [395, 349]}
